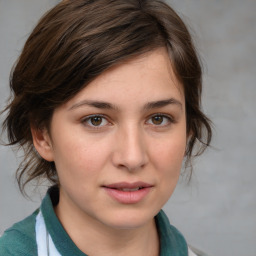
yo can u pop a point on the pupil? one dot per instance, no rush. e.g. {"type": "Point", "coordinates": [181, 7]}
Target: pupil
{"type": "Point", "coordinates": [96, 120]}
{"type": "Point", "coordinates": [157, 119]}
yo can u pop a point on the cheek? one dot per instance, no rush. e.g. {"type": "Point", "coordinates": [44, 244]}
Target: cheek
{"type": "Point", "coordinates": [169, 153]}
{"type": "Point", "coordinates": [167, 157]}
{"type": "Point", "coordinates": [79, 159]}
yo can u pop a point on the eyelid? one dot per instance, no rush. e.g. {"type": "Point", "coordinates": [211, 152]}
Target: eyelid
{"type": "Point", "coordinates": [170, 118]}
{"type": "Point", "coordinates": [86, 118]}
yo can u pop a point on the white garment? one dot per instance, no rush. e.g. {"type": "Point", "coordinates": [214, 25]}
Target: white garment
{"type": "Point", "coordinates": [190, 253]}
{"type": "Point", "coordinates": [45, 245]}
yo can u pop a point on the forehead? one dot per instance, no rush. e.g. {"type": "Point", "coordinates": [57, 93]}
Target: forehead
{"type": "Point", "coordinates": [149, 76]}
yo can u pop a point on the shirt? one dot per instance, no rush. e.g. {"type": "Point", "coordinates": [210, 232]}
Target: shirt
{"type": "Point", "coordinates": [42, 232]}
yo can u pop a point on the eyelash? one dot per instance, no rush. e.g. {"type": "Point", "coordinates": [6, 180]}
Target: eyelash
{"type": "Point", "coordinates": [89, 119]}
{"type": "Point", "coordinates": [165, 117]}
{"type": "Point", "coordinates": [169, 119]}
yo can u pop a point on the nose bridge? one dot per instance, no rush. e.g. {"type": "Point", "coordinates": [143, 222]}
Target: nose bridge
{"type": "Point", "coordinates": [131, 149]}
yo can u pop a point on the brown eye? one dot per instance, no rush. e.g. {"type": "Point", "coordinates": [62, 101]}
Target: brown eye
{"type": "Point", "coordinates": [157, 120]}
{"type": "Point", "coordinates": [160, 120]}
{"type": "Point", "coordinates": [96, 120]}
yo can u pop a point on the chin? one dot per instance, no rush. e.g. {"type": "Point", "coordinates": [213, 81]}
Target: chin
{"type": "Point", "coordinates": [129, 219]}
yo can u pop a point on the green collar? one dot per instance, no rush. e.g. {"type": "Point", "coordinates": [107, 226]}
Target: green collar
{"type": "Point", "coordinates": [172, 243]}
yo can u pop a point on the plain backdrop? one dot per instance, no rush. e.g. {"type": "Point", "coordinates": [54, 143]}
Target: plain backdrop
{"type": "Point", "coordinates": [216, 211]}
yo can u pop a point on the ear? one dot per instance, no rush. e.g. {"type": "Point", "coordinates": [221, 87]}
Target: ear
{"type": "Point", "coordinates": [42, 143]}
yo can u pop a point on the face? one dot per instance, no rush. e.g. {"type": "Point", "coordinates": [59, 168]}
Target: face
{"type": "Point", "coordinates": [118, 145]}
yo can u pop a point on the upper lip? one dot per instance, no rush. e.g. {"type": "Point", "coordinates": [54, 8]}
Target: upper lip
{"type": "Point", "coordinates": [122, 185]}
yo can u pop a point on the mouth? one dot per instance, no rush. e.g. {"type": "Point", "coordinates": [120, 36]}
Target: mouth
{"type": "Point", "coordinates": [130, 189]}
{"type": "Point", "coordinates": [128, 193]}
{"type": "Point", "coordinates": [126, 186]}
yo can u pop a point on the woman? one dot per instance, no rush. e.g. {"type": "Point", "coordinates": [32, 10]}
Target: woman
{"type": "Point", "coordinates": [106, 105]}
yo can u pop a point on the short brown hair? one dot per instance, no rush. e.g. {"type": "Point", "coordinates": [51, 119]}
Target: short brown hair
{"type": "Point", "coordinates": [77, 41]}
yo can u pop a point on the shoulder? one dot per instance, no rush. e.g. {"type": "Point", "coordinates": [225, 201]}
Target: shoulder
{"type": "Point", "coordinates": [20, 239]}
{"type": "Point", "coordinates": [171, 239]}
{"type": "Point", "coordinates": [172, 242]}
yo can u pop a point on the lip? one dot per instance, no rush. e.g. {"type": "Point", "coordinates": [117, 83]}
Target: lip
{"type": "Point", "coordinates": [128, 193]}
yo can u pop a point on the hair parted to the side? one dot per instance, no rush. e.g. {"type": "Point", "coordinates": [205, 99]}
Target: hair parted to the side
{"type": "Point", "coordinates": [77, 41]}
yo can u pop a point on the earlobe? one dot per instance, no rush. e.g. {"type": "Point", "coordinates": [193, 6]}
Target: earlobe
{"type": "Point", "coordinates": [42, 143]}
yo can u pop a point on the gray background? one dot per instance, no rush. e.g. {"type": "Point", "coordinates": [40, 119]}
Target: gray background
{"type": "Point", "coordinates": [217, 211]}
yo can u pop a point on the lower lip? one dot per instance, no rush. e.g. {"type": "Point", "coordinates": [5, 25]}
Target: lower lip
{"type": "Point", "coordinates": [128, 197]}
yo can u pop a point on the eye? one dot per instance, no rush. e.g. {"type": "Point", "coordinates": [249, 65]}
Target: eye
{"type": "Point", "coordinates": [160, 120]}
{"type": "Point", "coordinates": [95, 121]}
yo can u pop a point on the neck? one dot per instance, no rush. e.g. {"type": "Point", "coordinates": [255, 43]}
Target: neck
{"type": "Point", "coordinates": [94, 238]}
{"type": "Point", "coordinates": [139, 241]}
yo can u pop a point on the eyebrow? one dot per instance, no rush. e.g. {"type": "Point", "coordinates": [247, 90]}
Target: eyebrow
{"type": "Point", "coordinates": [92, 103]}
{"type": "Point", "coordinates": [106, 105]}
{"type": "Point", "coordinates": [162, 103]}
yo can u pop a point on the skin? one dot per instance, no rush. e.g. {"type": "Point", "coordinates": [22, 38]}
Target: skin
{"type": "Point", "coordinates": [133, 139]}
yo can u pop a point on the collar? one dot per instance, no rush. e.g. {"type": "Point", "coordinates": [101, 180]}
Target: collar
{"type": "Point", "coordinates": [171, 240]}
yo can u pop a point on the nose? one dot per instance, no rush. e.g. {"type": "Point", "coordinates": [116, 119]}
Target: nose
{"type": "Point", "coordinates": [130, 149]}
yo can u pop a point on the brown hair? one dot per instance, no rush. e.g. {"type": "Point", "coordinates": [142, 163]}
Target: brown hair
{"type": "Point", "coordinates": [74, 43]}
